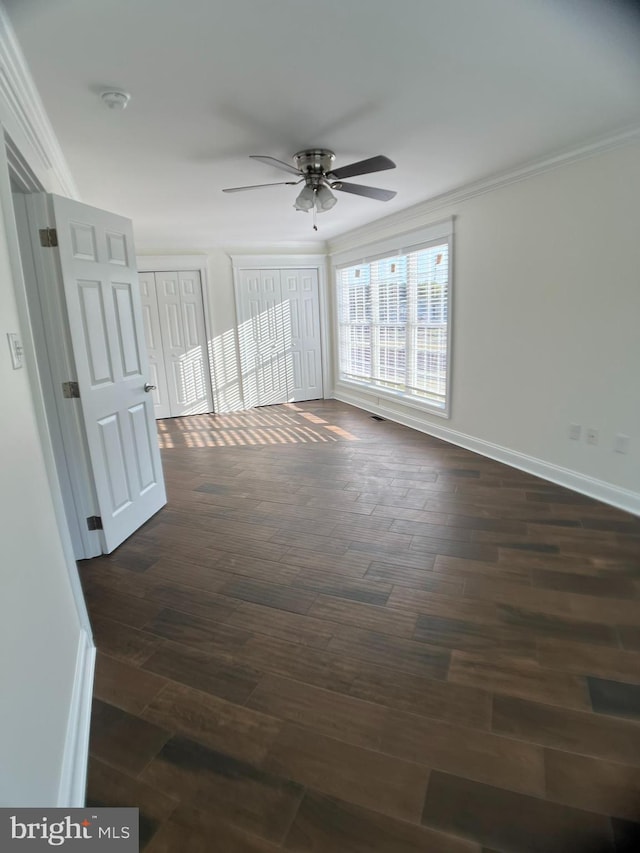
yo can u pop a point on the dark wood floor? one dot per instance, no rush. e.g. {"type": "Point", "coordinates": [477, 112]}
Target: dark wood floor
{"type": "Point", "coordinates": [343, 635]}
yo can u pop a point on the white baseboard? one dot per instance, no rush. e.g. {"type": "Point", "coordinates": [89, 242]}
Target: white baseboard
{"type": "Point", "coordinates": [599, 489]}
{"type": "Point", "coordinates": [73, 777]}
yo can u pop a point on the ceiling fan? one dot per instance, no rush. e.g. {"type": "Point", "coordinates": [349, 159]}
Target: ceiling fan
{"type": "Point", "coordinates": [314, 167]}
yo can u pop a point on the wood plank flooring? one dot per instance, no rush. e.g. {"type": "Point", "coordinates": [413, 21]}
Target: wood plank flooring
{"type": "Point", "coordinates": [341, 635]}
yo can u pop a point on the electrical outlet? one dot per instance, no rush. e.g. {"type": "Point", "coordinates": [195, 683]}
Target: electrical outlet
{"type": "Point", "coordinates": [17, 352]}
{"type": "Point", "coordinates": [592, 435]}
{"type": "Point", "coordinates": [574, 432]}
{"type": "Point", "coordinates": [621, 443]}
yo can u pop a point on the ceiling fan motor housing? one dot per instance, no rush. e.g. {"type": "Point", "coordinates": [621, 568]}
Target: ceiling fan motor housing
{"type": "Point", "coordinates": [315, 162]}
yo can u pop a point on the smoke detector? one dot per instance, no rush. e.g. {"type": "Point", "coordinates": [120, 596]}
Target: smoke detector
{"type": "Point", "coordinates": [115, 99]}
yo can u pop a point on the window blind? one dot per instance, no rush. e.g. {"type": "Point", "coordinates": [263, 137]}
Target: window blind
{"type": "Point", "coordinates": [393, 315]}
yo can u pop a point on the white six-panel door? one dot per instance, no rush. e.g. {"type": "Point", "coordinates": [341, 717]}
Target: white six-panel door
{"type": "Point", "coordinates": [304, 362]}
{"type": "Point", "coordinates": [153, 337]}
{"type": "Point", "coordinates": [261, 338]}
{"type": "Point", "coordinates": [173, 343]}
{"type": "Point", "coordinates": [97, 260]}
{"type": "Point", "coordinates": [195, 385]}
{"type": "Point", "coordinates": [279, 335]}
{"type": "Point", "coordinates": [177, 342]}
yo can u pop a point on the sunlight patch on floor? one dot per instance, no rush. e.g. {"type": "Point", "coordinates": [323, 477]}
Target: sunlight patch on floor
{"type": "Point", "coordinates": [253, 428]}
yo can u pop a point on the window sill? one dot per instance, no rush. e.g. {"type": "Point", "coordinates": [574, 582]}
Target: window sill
{"type": "Point", "coordinates": [380, 395]}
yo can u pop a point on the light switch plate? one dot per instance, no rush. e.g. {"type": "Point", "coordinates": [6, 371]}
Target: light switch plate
{"type": "Point", "coordinates": [15, 347]}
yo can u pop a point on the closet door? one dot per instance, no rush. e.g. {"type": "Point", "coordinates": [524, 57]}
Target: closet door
{"type": "Point", "coordinates": [196, 394]}
{"type": "Point", "coordinates": [304, 361]}
{"type": "Point", "coordinates": [153, 337]}
{"type": "Point", "coordinates": [184, 342]}
{"type": "Point", "coordinates": [263, 336]}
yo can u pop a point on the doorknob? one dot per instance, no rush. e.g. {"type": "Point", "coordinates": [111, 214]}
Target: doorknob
{"type": "Point", "coordinates": [148, 387]}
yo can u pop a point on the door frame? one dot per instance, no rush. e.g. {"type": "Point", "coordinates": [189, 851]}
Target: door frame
{"type": "Point", "coordinates": [187, 263]}
{"type": "Point", "coordinates": [14, 163]}
{"type": "Point", "coordinates": [317, 262]}
{"type": "Point", "coordinates": [16, 171]}
{"type": "Point", "coordinates": [31, 155]}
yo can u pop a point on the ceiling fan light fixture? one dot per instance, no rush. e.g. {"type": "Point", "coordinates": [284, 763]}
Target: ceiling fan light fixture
{"type": "Point", "coordinates": [325, 199]}
{"type": "Point", "coordinates": [306, 199]}
{"type": "Point", "coordinates": [314, 168]}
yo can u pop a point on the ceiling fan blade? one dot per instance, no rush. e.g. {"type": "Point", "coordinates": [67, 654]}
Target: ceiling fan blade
{"type": "Point", "coordinates": [369, 192]}
{"type": "Point", "coordinates": [363, 167]}
{"type": "Point", "coordinates": [258, 186]}
{"type": "Point", "coordinates": [279, 164]}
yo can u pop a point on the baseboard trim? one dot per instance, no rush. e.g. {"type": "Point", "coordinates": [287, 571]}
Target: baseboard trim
{"type": "Point", "coordinates": [73, 777]}
{"type": "Point", "coordinates": [599, 489]}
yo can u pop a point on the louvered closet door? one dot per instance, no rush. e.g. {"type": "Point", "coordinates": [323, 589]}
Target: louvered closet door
{"type": "Point", "coordinates": [184, 342]}
{"type": "Point", "coordinates": [304, 362]}
{"type": "Point", "coordinates": [153, 337]}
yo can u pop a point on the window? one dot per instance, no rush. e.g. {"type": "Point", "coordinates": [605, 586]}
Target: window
{"type": "Point", "coordinates": [393, 315]}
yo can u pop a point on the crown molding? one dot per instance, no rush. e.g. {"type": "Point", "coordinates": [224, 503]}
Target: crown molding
{"type": "Point", "coordinates": [24, 118]}
{"type": "Point", "coordinates": [414, 216]}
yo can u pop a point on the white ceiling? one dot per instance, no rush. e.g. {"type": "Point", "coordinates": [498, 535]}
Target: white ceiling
{"type": "Point", "coordinates": [451, 90]}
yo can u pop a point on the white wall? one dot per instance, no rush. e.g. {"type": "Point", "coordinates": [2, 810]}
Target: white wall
{"type": "Point", "coordinates": [546, 322]}
{"type": "Point", "coordinates": [45, 648]}
{"type": "Point", "coordinates": [39, 622]}
{"type": "Point", "coordinates": [226, 372]}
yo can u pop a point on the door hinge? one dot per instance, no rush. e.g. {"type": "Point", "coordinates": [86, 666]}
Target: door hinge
{"type": "Point", "coordinates": [94, 522]}
{"type": "Point", "coordinates": [48, 238]}
{"type": "Point", "coordinates": [70, 390]}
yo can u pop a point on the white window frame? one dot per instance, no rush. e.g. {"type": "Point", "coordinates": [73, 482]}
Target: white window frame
{"type": "Point", "coordinates": [440, 232]}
